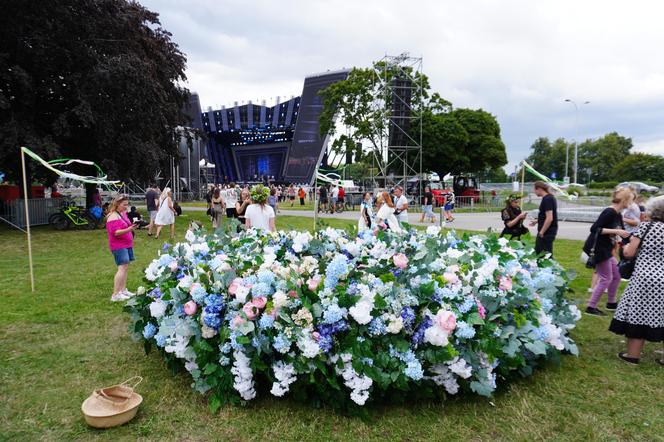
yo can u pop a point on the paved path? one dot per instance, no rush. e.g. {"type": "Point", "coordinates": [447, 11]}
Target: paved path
{"type": "Point", "coordinates": [468, 221]}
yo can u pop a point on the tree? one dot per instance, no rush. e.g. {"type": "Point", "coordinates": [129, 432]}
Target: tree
{"type": "Point", "coordinates": [453, 140]}
{"type": "Point", "coordinates": [639, 167]}
{"type": "Point", "coordinates": [600, 156]}
{"type": "Point", "coordinates": [549, 158]}
{"type": "Point", "coordinates": [93, 79]}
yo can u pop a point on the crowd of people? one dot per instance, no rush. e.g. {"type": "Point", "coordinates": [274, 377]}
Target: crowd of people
{"type": "Point", "coordinates": [625, 243]}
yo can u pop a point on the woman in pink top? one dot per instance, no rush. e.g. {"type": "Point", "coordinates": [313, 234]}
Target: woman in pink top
{"type": "Point", "coordinates": [121, 242]}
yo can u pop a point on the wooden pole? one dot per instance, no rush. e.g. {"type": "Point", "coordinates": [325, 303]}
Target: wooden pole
{"type": "Point", "coordinates": [315, 205]}
{"type": "Point", "coordinates": [523, 179]}
{"type": "Point", "coordinates": [27, 221]}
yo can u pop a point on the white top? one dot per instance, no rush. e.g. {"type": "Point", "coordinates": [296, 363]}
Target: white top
{"type": "Point", "coordinates": [165, 215]}
{"type": "Point", "coordinates": [259, 217]}
{"type": "Point", "coordinates": [386, 213]}
{"type": "Point", "coordinates": [335, 192]}
{"type": "Point", "coordinates": [399, 203]}
{"type": "Point", "coordinates": [230, 197]}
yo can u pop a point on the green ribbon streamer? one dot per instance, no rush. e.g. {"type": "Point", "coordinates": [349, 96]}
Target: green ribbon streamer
{"type": "Point", "coordinates": [544, 178]}
{"type": "Point", "coordinates": [69, 175]}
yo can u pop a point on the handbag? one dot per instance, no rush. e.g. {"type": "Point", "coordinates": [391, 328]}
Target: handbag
{"type": "Point", "coordinates": [626, 265]}
{"type": "Point", "coordinates": [591, 260]}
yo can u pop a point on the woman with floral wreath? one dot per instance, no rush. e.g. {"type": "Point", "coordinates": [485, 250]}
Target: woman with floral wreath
{"type": "Point", "coordinates": [259, 214]}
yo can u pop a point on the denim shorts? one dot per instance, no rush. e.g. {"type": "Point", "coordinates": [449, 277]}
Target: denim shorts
{"type": "Point", "coordinates": [123, 256]}
{"type": "Point", "coordinates": [428, 209]}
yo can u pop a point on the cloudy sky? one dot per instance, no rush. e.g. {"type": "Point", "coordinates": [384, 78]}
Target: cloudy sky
{"type": "Point", "coordinates": [518, 60]}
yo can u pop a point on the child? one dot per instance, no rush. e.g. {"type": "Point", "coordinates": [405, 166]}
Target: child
{"type": "Point", "coordinates": [136, 218]}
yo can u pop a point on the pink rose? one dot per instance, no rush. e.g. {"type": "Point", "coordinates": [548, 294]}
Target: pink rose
{"type": "Point", "coordinates": [250, 310]}
{"type": "Point", "coordinates": [313, 283]}
{"type": "Point", "coordinates": [234, 285]}
{"type": "Point", "coordinates": [452, 278]}
{"type": "Point", "coordinates": [316, 335]}
{"type": "Point", "coordinates": [259, 302]}
{"type": "Point", "coordinates": [292, 294]}
{"type": "Point", "coordinates": [238, 320]}
{"type": "Point", "coordinates": [505, 283]}
{"type": "Point", "coordinates": [446, 320]}
{"type": "Point", "coordinates": [400, 260]}
{"type": "Point", "coordinates": [480, 309]}
{"type": "Point", "coordinates": [190, 308]}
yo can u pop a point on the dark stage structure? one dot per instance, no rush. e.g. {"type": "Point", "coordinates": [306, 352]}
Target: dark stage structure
{"type": "Point", "coordinates": [251, 142]}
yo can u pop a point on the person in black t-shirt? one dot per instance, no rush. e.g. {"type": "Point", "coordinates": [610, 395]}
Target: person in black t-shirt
{"type": "Point", "coordinates": [427, 205]}
{"type": "Point", "coordinates": [547, 219]}
{"type": "Point", "coordinates": [603, 238]}
{"type": "Point", "coordinates": [322, 199]}
{"type": "Point", "coordinates": [513, 218]}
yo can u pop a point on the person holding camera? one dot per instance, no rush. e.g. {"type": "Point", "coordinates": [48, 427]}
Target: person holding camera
{"type": "Point", "coordinates": [121, 242]}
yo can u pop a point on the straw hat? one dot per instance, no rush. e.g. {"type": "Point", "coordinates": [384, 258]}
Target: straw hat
{"type": "Point", "coordinates": [112, 406]}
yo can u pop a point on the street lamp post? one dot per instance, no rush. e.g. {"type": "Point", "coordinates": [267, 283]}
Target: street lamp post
{"type": "Point", "coordinates": [576, 144]}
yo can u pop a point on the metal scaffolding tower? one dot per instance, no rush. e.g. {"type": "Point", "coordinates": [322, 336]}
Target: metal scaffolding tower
{"type": "Point", "coordinates": [400, 102]}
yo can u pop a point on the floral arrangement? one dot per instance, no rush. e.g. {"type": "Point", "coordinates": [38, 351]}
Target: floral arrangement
{"type": "Point", "coordinates": [259, 193]}
{"type": "Point", "coordinates": [344, 319]}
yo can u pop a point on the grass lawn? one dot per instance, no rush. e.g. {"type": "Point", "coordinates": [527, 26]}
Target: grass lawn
{"type": "Point", "coordinates": [61, 342]}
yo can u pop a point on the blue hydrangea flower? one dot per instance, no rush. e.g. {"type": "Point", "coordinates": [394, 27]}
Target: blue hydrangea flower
{"type": "Point", "coordinates": [165, 260]}
{"type": "Point", "coordinates": [418, 336]}
{"type": "Point", "coordinates": [161, 340]}
{"type": "Point", "coordinates": [414, 370]}
{"type": "Point", "coordinates": [547, 305]}
{"type": "Point", "coordinates": [334, 313]}
{"type": "Point", "coordinates": [211, 320]}
{"type": "Point", "coordinates": [465, 331]}
{"type": "Point", "coordinates": [266, 277]}
{"type": "Point", "coordinates": [149, 330]}
{"type": "Point", "coordinates": [266, 321]}
{"type": "Point", "coordinates": [259, 341]}
{"type": "Point", "coordinates": [368, 361]}
{"type": "Point", "coordinates": [198, 294]}
{"type": "Point", "coordinates": [261, 289]}
{"type": "Point", "coordinates": [377, 327]}
{"type": "Point", "coordinates": [408, 316]}
{"type": "Point", "coordinates": [225, 348]}
{"type": "Point", "coordinates": [156, 293]}
{"type": "Point", "coordinates": [214, 303]}
{"type": "Point", "coordinates": [281, 343]}
{"type": "Point", "coordinates": [165, 247]}
{"type": "Point", "coordinates": [224, 360]}
{"type": "Point", "coordinates": [541, 333]}
{"type": "Point", "coordinates": [327, 332]}
{"type": "Point", "coordinates": [335, 270]}
{"type": "Point", "coordinates": [251, 279]}
{"type": "Point", "coordinates": [467, 305]}
{"type": "Point", "coordinates": [234, 344]}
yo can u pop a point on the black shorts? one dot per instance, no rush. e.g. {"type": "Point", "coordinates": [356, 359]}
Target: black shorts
{"type": "Point", "coordinates": [230, 212]}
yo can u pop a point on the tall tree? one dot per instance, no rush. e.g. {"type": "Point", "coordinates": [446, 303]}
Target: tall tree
{"type": "Point", "coordinates": [600, 156]}
{"type": "Point", "coordinates": [95, 79]}
{"type": "Point", "coordinates": [549, 158]}
{"type": "Point", "coordinates": [639, 167]}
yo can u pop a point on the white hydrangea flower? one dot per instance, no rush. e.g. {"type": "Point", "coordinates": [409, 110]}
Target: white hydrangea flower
{"type": "Point", "coordinates": [361, 311]}
{"type": "Point", "coordinates": [158, 308]}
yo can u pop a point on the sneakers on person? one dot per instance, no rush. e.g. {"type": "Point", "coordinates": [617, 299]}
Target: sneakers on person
{"type": "Point", "coordinates": [118, 297]}
{"type": "Point", "coordinates": [611, 305]}
{"type": "Point", "coordinates": [594, 311]}
{"type": "Point", "coordinates": [127, 293]}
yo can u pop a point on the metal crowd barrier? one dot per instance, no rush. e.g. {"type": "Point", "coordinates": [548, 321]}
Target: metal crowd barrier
{"type": "Point", "coordinates": [13, 212]}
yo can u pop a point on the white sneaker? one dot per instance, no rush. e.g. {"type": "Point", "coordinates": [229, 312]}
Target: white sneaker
{"type": "Point", "coordinates": [128, 294]}
{"type": "Point", "coordinates": [117, 297]}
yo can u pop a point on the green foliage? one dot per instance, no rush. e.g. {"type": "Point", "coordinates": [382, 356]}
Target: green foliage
{"type": "Point", "coordinates": [91, 79]}
{"type": "Point", "coordinates": [640, 167]}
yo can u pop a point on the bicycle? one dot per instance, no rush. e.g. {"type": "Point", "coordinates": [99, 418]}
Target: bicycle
{"type": "Point", "coordinates": [72, 214]}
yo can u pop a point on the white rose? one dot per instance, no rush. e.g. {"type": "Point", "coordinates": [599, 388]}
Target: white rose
{"type": "Point", "coordinates": [190, 236]}
{"type": "Point", "coordinates": [395, 325]}
{"type": "Point", "coordinates": [280, 299]}
{"type": "Point", "coordinates": [436, 336]}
